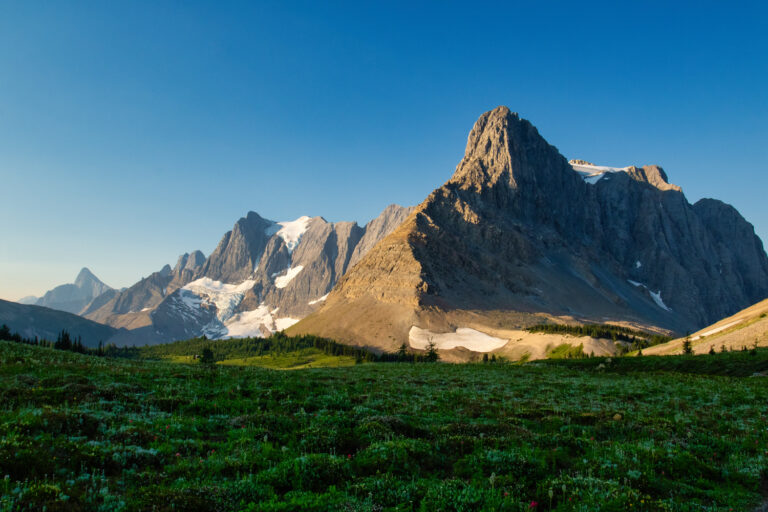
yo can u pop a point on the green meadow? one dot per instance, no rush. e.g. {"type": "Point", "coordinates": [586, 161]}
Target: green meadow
{"type": "Point", "coordinates": [81, 432]}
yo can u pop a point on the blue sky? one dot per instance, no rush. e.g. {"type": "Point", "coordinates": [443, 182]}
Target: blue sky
{"type": "Point", "coordinates": [133, 131]}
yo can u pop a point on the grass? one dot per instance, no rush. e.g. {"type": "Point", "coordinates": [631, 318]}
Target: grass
{"type": "Point", "coordinates": [290, 360]}
{"type": "Point", "coordinates": [294, 360]}
{"type": "Point", "coordinates": [669, 433]}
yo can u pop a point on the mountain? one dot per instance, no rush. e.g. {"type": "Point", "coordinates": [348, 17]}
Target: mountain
{"type": "Point", "coordinates": [130, 308]}
{"type": "Point", "coordinates": [73, 297]}
{"type": "Point", "coordinates": [31, 321]}
{"type": "Point", "coordinates": [744, 329]}
{"type": "Point", "coordinates": [263, 276]}
{"type": "Point", "coordinates": [29, 299]}
{"type": "Point", "coordinates": [519, 235]}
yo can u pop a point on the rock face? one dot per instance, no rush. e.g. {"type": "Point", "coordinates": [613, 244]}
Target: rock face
{"type": "Point", "coordinates": [519, 234]}
{"type": "Point", "coordinates": [131, 307]}
{"type": "Point", "coordinates": [263, 276]}
{"type": "Point", "coordinates": [73, 297]}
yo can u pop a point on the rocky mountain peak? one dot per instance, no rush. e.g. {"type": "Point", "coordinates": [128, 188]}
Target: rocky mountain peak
{"type": "Point", "coordinates": [506, 150]}
{"type": "Point", "coordinates": [85, 276]}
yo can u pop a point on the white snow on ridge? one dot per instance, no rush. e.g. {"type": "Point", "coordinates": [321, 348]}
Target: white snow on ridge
{"type": "Point", "coordinates": [638, 264]}
{"type": "Point", "coordinates": [321, 299]}
{"type": "Point", "coordinates": [226, 297]}
{"type": "Point", "coordinates": [290, 231]}
{"type": "Point", "coordinates": [282, 281]}
{"type": "Point", "coordinates": [594, 173]}
{"type": "Point", "coordinates": [463, 337]}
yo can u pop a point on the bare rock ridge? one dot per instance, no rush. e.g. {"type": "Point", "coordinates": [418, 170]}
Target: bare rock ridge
{"type": "Point", "coordinates": [263, 276]}
{"type": "Point", "coordinates": [518, 234]}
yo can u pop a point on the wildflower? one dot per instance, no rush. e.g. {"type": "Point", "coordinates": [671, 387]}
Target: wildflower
{"type": "Point", "coordinates": [533, 504]}
{"type": "Point", "coordinates": [349, 455]}
{"type": "Point", "coordinates": [178, 454]}
{"type": "Point", "coordinates": [506, 494]}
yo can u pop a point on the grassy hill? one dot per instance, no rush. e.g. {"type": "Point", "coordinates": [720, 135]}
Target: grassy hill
{"type": "Point", "coordinates": [745, 329]}
{"type": "Point", "coordinates": [89, 433]}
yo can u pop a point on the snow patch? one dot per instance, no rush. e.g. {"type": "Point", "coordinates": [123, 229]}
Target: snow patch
{"type": "Point", "coordinates": [657, 299]}
{"type": "Point", "coordinates": [290, 231]}
{"type": "Point", "coordinates": [321, 299]}
{"type": "Point", "coordinates": [284, 323]}
{"type": "Point", "coordinates": [656, 296]}
{"type": "Point", "coordinates": [463, 337]}
{"type": "Point", "coordinates": [715, 330]}
{"type": "Point", "coordinates": [282, 281]}
{"type": "Point", "coordinates": [258, 322]}
{"type": "Point", "coordinates": [593, 173]}
{"type": "Point", "coordinates": [638, 264]}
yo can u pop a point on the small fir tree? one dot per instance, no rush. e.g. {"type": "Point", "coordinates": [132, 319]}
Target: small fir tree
{"type": "Point", "coordinates": [207, 356]}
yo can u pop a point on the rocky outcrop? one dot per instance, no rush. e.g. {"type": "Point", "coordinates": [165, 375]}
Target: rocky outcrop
{"type": "Point", "coordinates": [518, 234]}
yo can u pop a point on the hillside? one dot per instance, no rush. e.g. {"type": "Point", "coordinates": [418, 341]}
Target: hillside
{"type": "Point", "coordinates": [745, 329]}
{"type": "Point", "coordinates": [37, 321]}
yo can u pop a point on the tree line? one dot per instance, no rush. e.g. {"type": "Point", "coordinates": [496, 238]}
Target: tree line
{"type": "Point", "coordinates": [638, 339]}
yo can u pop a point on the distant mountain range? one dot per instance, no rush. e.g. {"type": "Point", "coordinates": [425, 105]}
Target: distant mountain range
{"type": "Point", "coordinates": [517, 236]}
{"type": "Point", "coordinates": [262, 277]}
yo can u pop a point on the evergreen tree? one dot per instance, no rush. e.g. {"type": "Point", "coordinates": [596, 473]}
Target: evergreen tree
{"type": "Point", "coordinates": [687, 348]}
{"type": "Point", "coordinates": [207, 356]}
{"type": "Point", "coordinates": [432, 355]}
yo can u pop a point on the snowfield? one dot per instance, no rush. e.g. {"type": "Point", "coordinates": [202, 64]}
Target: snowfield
{"type": "Point", "coordinates": [317, 301]}
{"type": "Point", "coordinates": [226, 297]}
{"type": "Point", "coordinates": [463, 337]}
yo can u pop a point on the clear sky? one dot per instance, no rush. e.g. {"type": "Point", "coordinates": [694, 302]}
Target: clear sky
{"type": "Point", "coordinates": [133, 131]}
